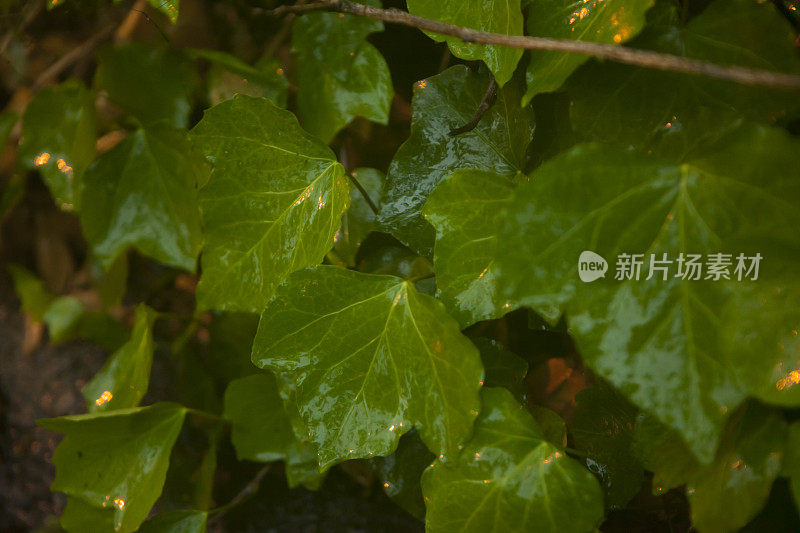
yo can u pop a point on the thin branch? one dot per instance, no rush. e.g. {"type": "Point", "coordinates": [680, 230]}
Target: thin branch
{"type": "Point", "coordinates": [248, 490]}
{"type": "Point", "coordinates": [620, 54]}
{"type": "Point", "coordinates": [72, 57]}
{"type": "Point", "coordinates": [364, 193]}
{"type": "Point", "coordinates": [486, 103]}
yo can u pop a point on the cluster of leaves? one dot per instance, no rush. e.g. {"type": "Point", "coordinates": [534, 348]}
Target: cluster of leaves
{"type": "Point", "coordinates": [368, 357]}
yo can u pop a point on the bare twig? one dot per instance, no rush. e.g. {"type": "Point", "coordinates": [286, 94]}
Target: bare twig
{"type": "Point", "coordinates": [620, 54]}
{"type": "Point", "coordinates": [486, 103]}
{"type": "Point", "coordinates": [72, 57]}
{"type": "Point", "coordinates": [248, 490]}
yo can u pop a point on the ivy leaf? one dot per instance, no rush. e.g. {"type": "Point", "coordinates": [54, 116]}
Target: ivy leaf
{"type": "Point", "coordinates": [731, 492]}
{"type": "Point", "coordinates": [496, 16]}
{"type": "Point", "coordinates": [508, 477]}
{"type": "Point", "coordinates": [143, 193]}
{"type": "Point", "coordinates": [125, 377]}
{"type": "Point", "coordinates": [465, 210]}
{"type": "Point", "coordinates": [401, 473]}
{"type": "Point", "coordinates": [178, 521]}
{"type": "Point", "coordinates": [368, 357]}
{"type": "Point", "coordinates": [607, 201]}
{"type": "Point", "coordinates": [116, 460]}
{"type": "Point", "coordinates": [442, 102]}
{"type": "Point", "coordinates": [340, 75]}
{"type": "Point", "coordinates": [58, 139]}
{"type": "Point", "coordinates": [792, 464]}
{"type": "Point", "coordinates": [359, 220]}
{"type": "Point", "coordinates": [273, 204]}
{"type": "Point", "coordinates": [132, 70]}
{"type": "Point", "coordinates": [33, 295]}
{"type": "Point", "coordinates": [603, 426]}
{"type": "Point", "coordinates": [63, 317]}
{"type": "Point", "coordinates": [261, 430]}
{"type": "Point", "coordinates": [612, 21]}
{"type": "Point", "coordinates": [635, 106]}
{"type": "Point", "coordinates": [229, 76]}
{"type": "Point", "coordinates": [763, 319]}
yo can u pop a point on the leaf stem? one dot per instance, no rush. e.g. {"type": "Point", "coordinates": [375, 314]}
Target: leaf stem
{"type": "Point", "coordinates": [246, 492]}
{"type": "Point", "coordinates": [206, 415]}
{"type": "Point", "coordinates": [620, 54]}
{"type": "Point", "coordinates": [363, 192]}
{"type": "Point", "coordinates": [486, 103]}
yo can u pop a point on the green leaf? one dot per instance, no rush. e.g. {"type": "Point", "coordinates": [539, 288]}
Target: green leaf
{"type": "Point", "coordinates": [368, 357]}
{"type": "Point", "coordinates": [229, 76]}
{"type": "Point", "coordinates": [508, 477]}
{"type": "Point", "coordinates": [656, 340]}
{"type": "Point", "coordinates": [63, 317]}
{"type": "Point", "coordinates": [273, 204]}
{"type": "Point", "coordinates": [496, 16]}
{"type": "Point", "coordinates": [143, 193]}
{"type": "Point", "coordinates": [400, 473]}
{"type": "Point", "coordinates": [261, 430]}
{"type": "Point", "coordinates": [792, 463]}
{"type": "Point", "coordinates": [58, 139]}
{"type": "Point", "coordinates": [168, 7]}
{"type": "Point", "coordinates": [131, 71]}
{"type": "Point", "coordinates": [635, 106]}
{"type": "Point", "coordinates": [116, 460]}
{"type": "Point", "coordinates": [33, 295]}
{"type": "Point", "coordinates": [340, 75]}
{"type": "Point", "coordinates": [442, 102]}
{"type": "Point", "coordinates": [603, 427]}
{"type": "Point", "coordinates": [359, 220]}
{"type": "Point", "coordinates": [503, 368]}
{"type": "Point", "coordinates": [178, 521]}
{"type": "Point", "coordinates": [731, 492]}
{"type": "Point", "coordinates": [611, 22]}
{"type": "Point", "coordinates": [125, 377]}
{"type": "Point", "coordinates": [465, 210]}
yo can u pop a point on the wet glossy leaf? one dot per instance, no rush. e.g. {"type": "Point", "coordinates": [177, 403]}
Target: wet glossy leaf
{"type": "Point", "coordinates": [496, 16]}
{"type": "Point", "coordinates": [400, 473]}
{"type": "Point", "coordinates": [465, 210]}
{"type": "Point", "coordinates": [58, 139]}
{"type": "Point", "coordinates": [116, 460]}
{"type": "Point", "coordinates": [611, 21]}
{"type": "Point", "coordinates": [659, 339]}
{"type": "Point", "coordinates": [359, 220]}
{"type": "Point", "coordinates": [603, 427]}
{"type": "Point", "coordinates": [340, 75]}
{"type": "Point", "coordinates": [637, 106]}
{"type": "Point", "coordinates": [509, 478]}
{"type": "Point", "coordinates": [273, 204]}
{"type": "Point", "coordinates": [62, 318]}
{"type": "Point", "coordinates": [131, 71]}
{"type": "Point", "coordinates": [230, 75]}
{"type": "Point", "coordinates": [729, 493]}
{"type": "Point", "coordinates": [442, 102]}
{"type": "Point", "coordinates": [368, 357]}
{"type": "Point", "coordinates": [125, 377]}
{"type": "Point", "coordinates": [33, 295]}
{"type": "Point", "coordinates": [179, 521]}
{"type": "Point", "coordinates": [143, 194]}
